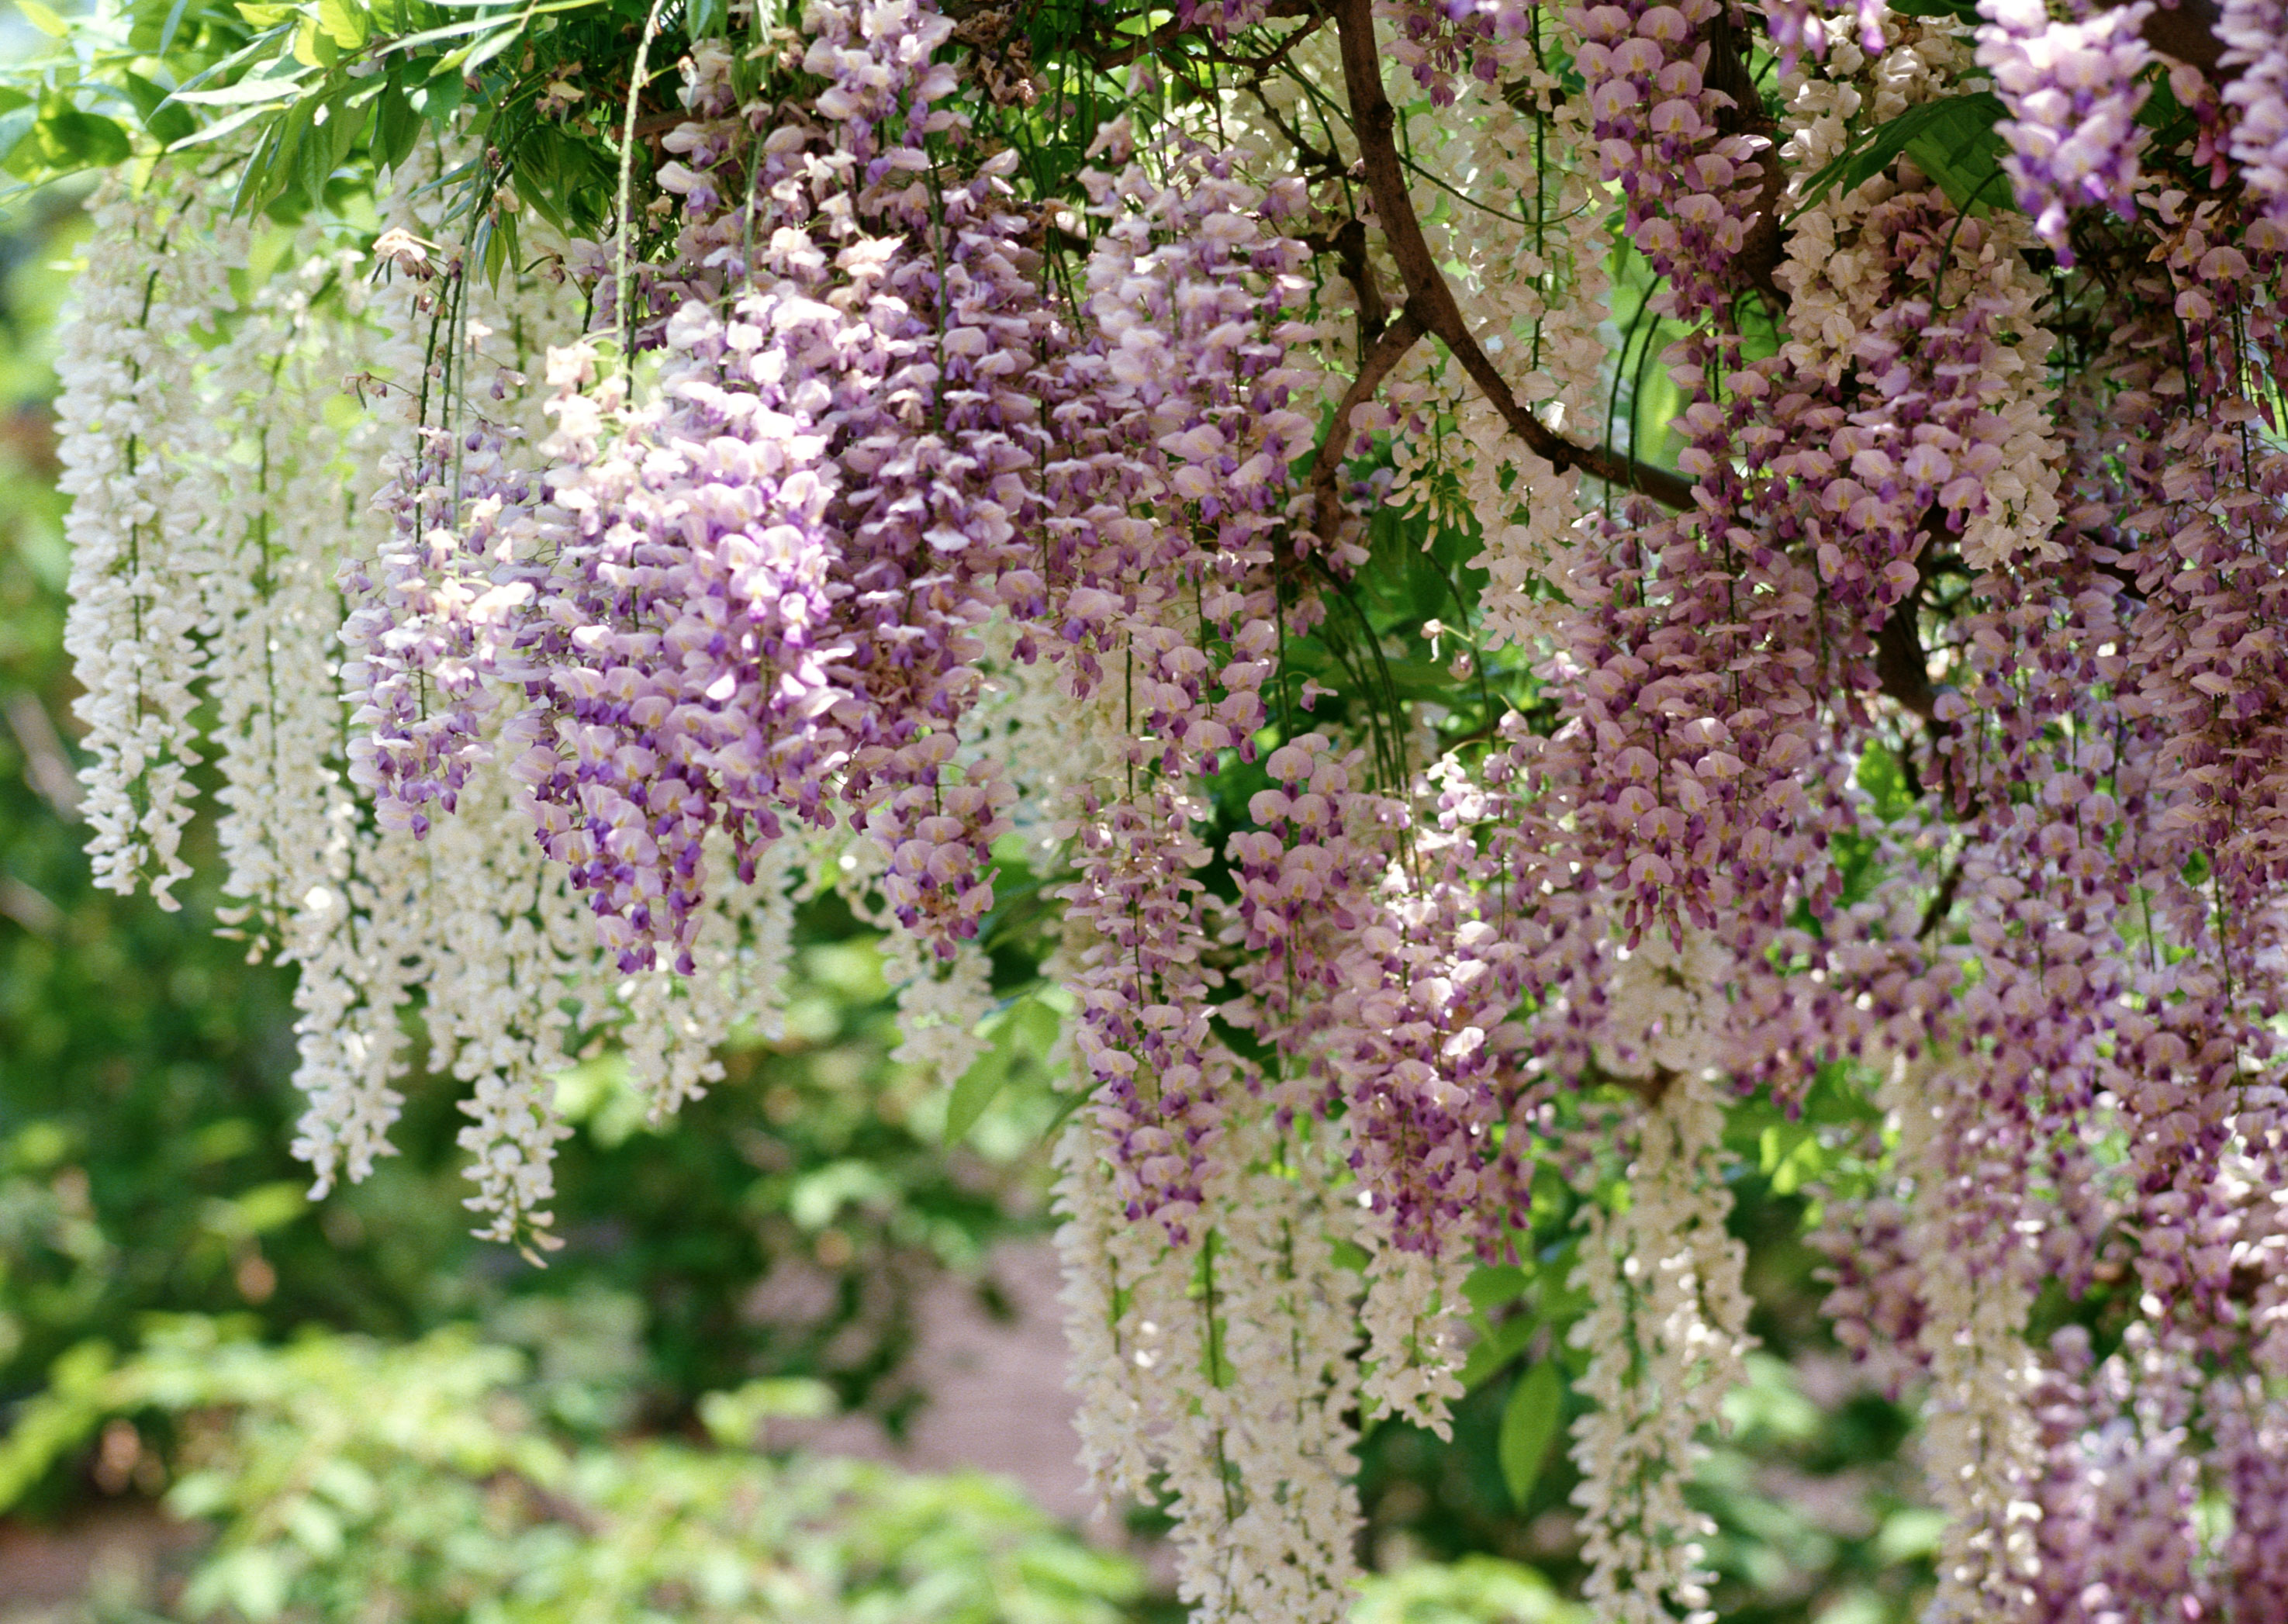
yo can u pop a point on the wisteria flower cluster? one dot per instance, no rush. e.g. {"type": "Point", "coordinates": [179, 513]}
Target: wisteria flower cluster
{"type": "Point", "coordinates": [2073, 91]}
{"type": "Point", "coordinates": [899, 493]}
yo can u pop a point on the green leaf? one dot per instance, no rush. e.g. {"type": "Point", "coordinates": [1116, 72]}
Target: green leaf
{"type": "Point", "coordinates": [500, 246]}
{"type": "Point", "coordinates": [345, 22]}
{"type": "Point", "coordinates": [1496, 1348]}
{"type": "Point", "coordinates": [168, 121]}
{"type": "Point", "coordinates": [1492, 1285]}
{"type": "Point", "coordinates": [247, 92]}
{"type": "Point", "coordinates": [69, 138]}
{"type": "Point", "coordinates": [228, 124]}
{"type": "Point", "coordinates": [436, 100]}
{"type": "Point", "coordinates": [975, 1089]}
{"type": "Point", "coordinates": [1952, 139]}
{"type": "Point", "coordinates": [460, 30]}
{"type": "Point", "coordinates": [314, 1527]}
{"type": "Point", "coordinates": [1959, 147]}
{"type": "Point", "coordinates": [735, 1420]}
{"type": "Point", "coordinates": [261, 1209]}
{"type": "Point", "coordinates": [174, 21]}
{"type": "Point", "coordinates": [270, 171]}
{"type": "Point", "coordinates": [15, 125]}
{"type": "Point", "coordinates": [396, 128]}
{"type": "Point", "coordinates": [818, 1198]}
{"type": "Point", "coordinates": [325, 145]}
{"type": "Point", "coordinates": [1880, 775]}
{"type": "Point", "coordinates": [41, 18]}
{"type": "Point", "coordinates": [252, 1578]}
{"type": "Point", "coordinates": [1529, 1422]}
{"type": "Point", "coordinates": [1787, 1153]}
{"type": "Point", "coordinates": [50, 1424]}
{"type": "Point", "coordinates": [485, 49]}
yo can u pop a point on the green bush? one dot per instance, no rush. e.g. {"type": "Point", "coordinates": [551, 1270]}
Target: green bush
{"type": "Point", "coordinates": [346, 1479]}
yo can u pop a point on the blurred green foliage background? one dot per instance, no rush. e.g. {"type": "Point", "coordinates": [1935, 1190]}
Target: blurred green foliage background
{"type": "Point", "coordinates": [359, 1412]}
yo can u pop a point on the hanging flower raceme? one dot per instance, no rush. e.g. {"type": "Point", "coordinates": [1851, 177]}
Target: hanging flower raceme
{"type": "Point", "coordinates": [1185, 398]}
{"type": "Point", "coordinates": [1662, 135]}
{"type": "Point", "coordinates": [750, 598]}
{"type": "Point", "coordinates": [1702, 763]}
{"type": "Point", "coordinates": [2255, 37]}
{"type": "Point", "coordinates": [2208, 542]}
{"type": "Point", "coordinates": [439, 609]}
{"type": "Point", "coordinates": [141, 555]}
{"type": "Point", "coordinates": [1175, 572]}
{"type": "Point", "coordinates": [2073, 94]}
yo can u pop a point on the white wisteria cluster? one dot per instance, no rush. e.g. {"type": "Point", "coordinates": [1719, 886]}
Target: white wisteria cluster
{"type": "Point", "coordinates": [143, 556]}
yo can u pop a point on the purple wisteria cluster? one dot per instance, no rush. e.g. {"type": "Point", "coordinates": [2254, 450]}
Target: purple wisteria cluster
{"type": "Point", "coordinates": [1439, 41]}
{"type": "Point", "coordinates": [752, 597]}
{"type": "Point", "coordinates": [2073, 90]}
{"type": "Point", "coordinates": [1185, 403]}
{"type": "Point", "coordinates": [2255, 37]}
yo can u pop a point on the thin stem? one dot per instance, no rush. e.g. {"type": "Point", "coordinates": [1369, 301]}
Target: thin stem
{"type": "Point", "coordinates": [627, 176]}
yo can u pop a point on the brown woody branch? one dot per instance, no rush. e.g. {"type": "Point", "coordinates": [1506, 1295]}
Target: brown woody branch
{"type": "Point", "coordinates": [1901, 667]}
{"type": "Point", "coordinates": [2187, 31]}
{"type": "Point", "coordinates": [1347, 243]}
{"type": "Point", "coordinates": [1427, 295]}
{"type": "Point", "coordinates": [1389, 347]}
{"type": "Point", "coordinates": [1942, 902]}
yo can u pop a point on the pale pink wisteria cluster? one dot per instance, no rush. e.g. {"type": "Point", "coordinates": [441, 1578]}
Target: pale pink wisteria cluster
{"type": "Point", "coordinates": [1910, 711]}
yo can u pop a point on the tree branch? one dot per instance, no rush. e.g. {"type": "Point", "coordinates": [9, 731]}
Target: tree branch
{"type": "Point", "coordinates": [1764, 248]}
{"type": "Point", "coordinates": [1942, 902]}
{"type": "Point", "coordinates": [1389, 349]}
{"type": "Point", "coordinates": [1900, 665]}
{"type": "Point", "coordinates": [1349, 244]}
{"type": "Point", "coordinates": [2187, 31]}
{"type": "Point", "coordinates": [1427, 294]}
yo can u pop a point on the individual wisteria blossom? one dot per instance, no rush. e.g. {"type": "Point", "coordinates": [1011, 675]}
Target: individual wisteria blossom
{"type": "Point", "coordinates": [1242, 492]}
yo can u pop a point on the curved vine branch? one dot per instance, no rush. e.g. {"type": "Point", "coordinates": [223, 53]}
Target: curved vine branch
{"type": "Point", "coordinates": [1427, 294]}
{"type": "Point", "coordinates": [1389, 348]}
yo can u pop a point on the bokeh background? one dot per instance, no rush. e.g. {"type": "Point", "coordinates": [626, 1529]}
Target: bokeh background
{"type": "Point", "coordinates": [799, 1358]}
